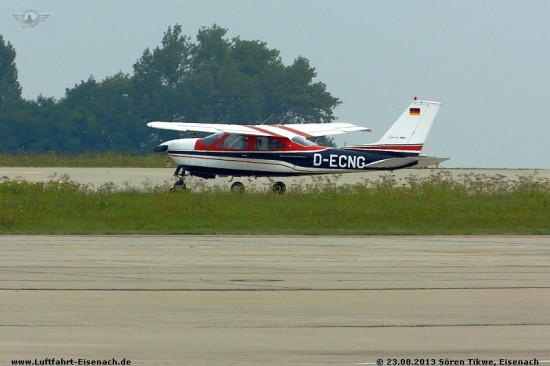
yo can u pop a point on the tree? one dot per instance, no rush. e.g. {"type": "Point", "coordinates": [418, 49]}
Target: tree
{"type": "Point", "coordinates": [10, 90]}
{"type": "Point", "coordinates": [157, 75]}
{"type": "Point", "coordinates": [226, 81]}
{"type": "Point", "coordinates": [101, 118]}
{"type": "Point", "coordinates": [214, 79]}
{"type": "Point", "coordinates": [307, 101]}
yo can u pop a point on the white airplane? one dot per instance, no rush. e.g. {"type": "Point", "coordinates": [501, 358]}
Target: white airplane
{"type": "Point", "coordinates": [284, 150]}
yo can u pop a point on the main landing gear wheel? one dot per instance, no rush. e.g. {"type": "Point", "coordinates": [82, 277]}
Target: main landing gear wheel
{"type": "Point", "coordinates": [237, 187]}
{"type": "Point", "coordinates": [279, 188]}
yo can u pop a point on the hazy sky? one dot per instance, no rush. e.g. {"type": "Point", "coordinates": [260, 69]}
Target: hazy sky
{"type": "Point", "coordinates": [488, 62]}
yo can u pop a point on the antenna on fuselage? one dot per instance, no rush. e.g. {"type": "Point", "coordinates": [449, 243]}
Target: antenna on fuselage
{"type": "Point", "coordinates": [267, 119]}
{"type": "Point", "coordinates": [286, 115]}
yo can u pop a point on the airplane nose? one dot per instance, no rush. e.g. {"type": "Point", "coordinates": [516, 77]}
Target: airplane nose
{"type": "Point", "coordinates": [160, 148]}
{"type": "Point", "coordinates": [176, 145]}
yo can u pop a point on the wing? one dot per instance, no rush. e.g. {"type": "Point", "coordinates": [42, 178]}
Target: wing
{"type": "Point", "coordinates": [305, 130]}
{"type": "Point", "coordinates": [209, 127]}
{"type": "Point", "coordinates": [321, 129]}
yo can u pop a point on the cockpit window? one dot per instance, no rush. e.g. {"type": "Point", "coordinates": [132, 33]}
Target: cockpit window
{"type": "Point", "coordinates": [267, 143]}
{"type": "Point", "coordinates": [302, 141]}
{"type": "Point", "coordinates": [210, 139]}
{"type": "Point", "coordinates": [234, 141]}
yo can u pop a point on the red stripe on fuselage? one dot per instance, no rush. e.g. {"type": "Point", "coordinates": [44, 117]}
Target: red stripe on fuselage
{"type": "Point", "coordinates": [415, 148]}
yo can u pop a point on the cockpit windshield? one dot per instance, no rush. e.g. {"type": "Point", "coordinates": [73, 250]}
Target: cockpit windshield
{"type": "Point", "coordinates": [210, 139]}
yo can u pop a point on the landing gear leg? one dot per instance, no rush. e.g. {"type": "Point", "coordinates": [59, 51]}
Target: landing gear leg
{"type": "Point", "coordinates": [179, 174]}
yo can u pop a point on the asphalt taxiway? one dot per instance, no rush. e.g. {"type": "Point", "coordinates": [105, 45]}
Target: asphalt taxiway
{"type": "Point", "coordinates": [267, 300]}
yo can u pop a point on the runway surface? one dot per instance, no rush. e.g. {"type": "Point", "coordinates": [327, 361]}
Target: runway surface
{"type": "Point", "coordinates": [141, 177]}
{"type": "Point", "coordinates": [263, 300]}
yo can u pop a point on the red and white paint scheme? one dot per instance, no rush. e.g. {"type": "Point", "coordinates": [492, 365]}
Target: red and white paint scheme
{"type": "Point", "coordinates": [284, 149]}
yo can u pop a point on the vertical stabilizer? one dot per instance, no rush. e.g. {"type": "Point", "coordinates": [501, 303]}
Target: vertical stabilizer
{"type": "Point", "coordinates": [409, 132]}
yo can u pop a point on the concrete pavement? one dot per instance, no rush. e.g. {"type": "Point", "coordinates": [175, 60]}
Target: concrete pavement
{"type": "Point", "coordinates": [264, 300]}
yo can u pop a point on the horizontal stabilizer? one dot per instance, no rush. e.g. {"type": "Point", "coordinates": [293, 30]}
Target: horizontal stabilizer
{"type": "Point", "coordinates": [427, 161]}
{"type": "Point", "coordinates": [409, 162]}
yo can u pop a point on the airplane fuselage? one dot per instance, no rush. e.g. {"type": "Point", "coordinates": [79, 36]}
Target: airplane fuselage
{"type": "Point", "coordinates": [290, 160]}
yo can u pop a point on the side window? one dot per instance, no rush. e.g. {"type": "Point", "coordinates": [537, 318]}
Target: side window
{"type": "Point", "coordinates": [275, 144]}
{"type": "Point", "coordinates": [234, 141]}
{"type": "Point", "coordinates": [267, 143]}
{"type": "Point", "coordinates": [261, 143]}
{"type": "Point", "coordinates": [302, 141]}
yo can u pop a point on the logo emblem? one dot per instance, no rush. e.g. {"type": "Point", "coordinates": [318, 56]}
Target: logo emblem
{"type": "Point", "coordinates": [30, 18]}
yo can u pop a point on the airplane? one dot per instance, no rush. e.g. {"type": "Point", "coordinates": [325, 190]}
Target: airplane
{"type": "Point", "coordinates": [283, 150]}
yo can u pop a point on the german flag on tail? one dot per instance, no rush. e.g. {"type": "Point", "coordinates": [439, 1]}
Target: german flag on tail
{"type": "Point", "coordinates": [414, 111]}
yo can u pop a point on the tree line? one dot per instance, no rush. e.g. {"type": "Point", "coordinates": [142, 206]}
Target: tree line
{"type": "Point", "coordinates": [213, 79]}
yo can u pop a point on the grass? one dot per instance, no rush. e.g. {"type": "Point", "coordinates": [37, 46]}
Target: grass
{"type": "Point", "coordinates": [439, 204]}
{"type": "Point", "coordinates": [107, 160]}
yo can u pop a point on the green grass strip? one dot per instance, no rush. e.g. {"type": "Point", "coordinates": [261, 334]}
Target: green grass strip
{"type": "Point", "coordinates": [439, 204]}
{"type": "Point", "coordinates": [100, 160]}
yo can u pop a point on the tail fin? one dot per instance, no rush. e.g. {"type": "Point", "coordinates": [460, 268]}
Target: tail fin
{"type": "Point", "coordinates": [409, 132]}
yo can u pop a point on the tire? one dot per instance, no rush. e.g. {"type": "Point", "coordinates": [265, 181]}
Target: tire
{"type": "Point", "coordinates": [279, 188]}
{"type": "Point", "coordinates": [237, 187]}
{"type": "Point", "coordinates": [179, 185]}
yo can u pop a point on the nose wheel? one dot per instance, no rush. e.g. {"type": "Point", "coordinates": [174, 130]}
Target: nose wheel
{"type": "Point", "coordinates": [179, 174]}
{"type": "Point", "coordinates": [179, 185]}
